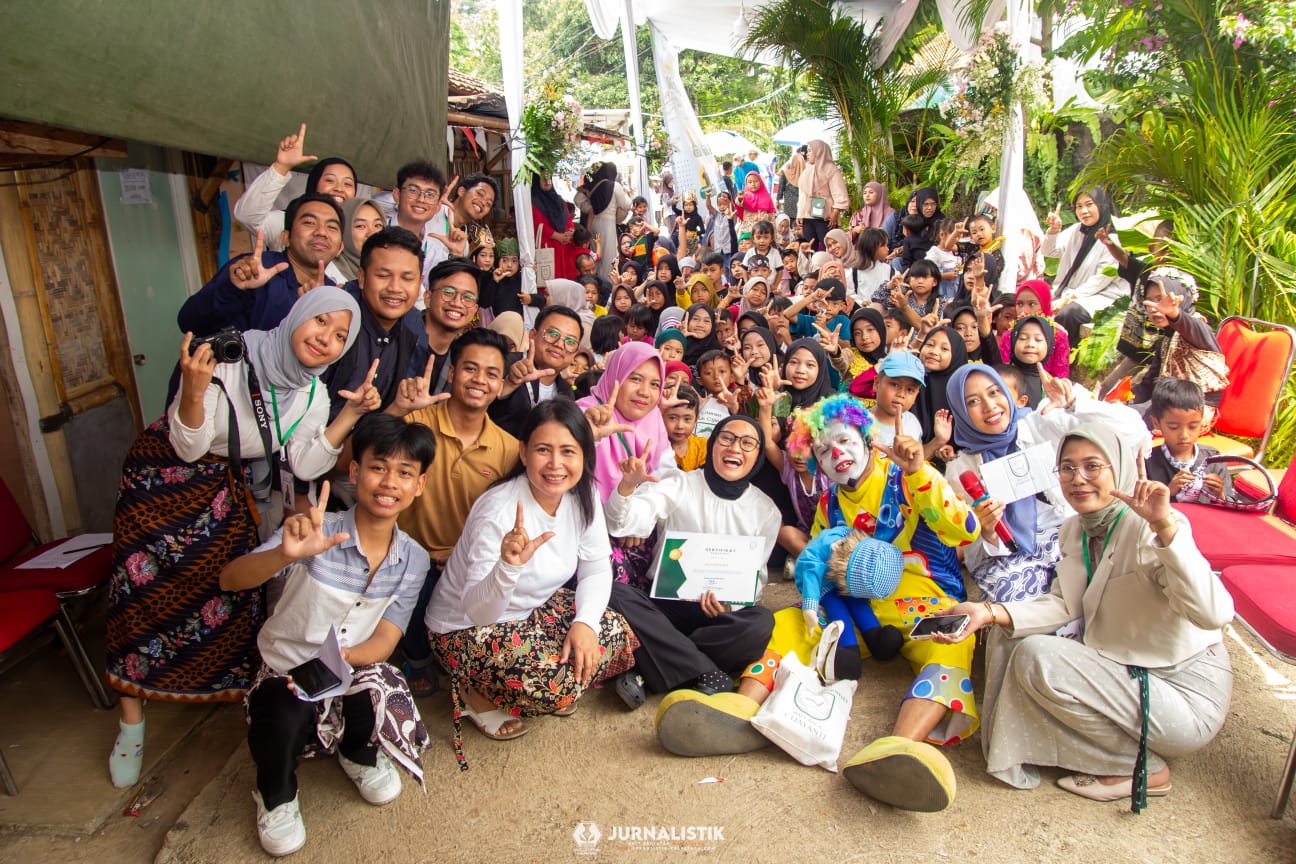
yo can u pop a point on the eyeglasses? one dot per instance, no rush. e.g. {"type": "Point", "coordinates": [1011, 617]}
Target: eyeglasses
{"type": "Point", "coordinates": [1087, 471]}
{"type": "Point", "coordinates": [464, 296]}
{"type": "Point", "coordinates": [746, 443]}
{"type": "Point", "coordinates": [553, 337]}
{"type": "Point", "coordinates": [420, 192]}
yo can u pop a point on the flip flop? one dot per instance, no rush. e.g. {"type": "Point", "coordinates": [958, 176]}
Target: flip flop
{"type": "Point", "coordinates": [1089, 786]}
{"type": "Point", "coordinates": [490, 722]}
{"type": "Point", "coordinates": [568, 711]}
{"type": "Point", "coordinates": [910, 775]}
{"type": "Point", "coordinates": [420, 672]}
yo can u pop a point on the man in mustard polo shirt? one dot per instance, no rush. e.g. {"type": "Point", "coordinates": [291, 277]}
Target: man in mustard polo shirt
{"type": "Point", "coordinates": [472, 452]}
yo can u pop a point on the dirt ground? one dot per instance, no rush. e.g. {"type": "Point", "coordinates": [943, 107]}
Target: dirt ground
{"type": "Point", "coordinates": [600, 777]}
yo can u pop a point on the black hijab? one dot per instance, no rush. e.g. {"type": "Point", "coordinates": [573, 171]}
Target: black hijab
{"type": "Point", "coordinates": [822, 385]}
{"type": "Point", "coordinates": [757, 317]}
{"type": "Point", "coordinates": [897, 230]}
{"type": "Point", "coordinates": [602, 185]}
{"type": "Point", "coordinates": [873, 317]}
{"type": "Point", "coordinates": [753, 371]}
{"type": "Point", "coordinates": [1030, 371]}
{"type": "Point", "coordinates": [932, 398]}
{"type": "Point", "coordinates": [929, 193]}
{"type": "Point", "coordinates": [550, 204]}
{"type": "Point", "coordinates": [1088, 234]}
{"type": "Point", "coordinates": [673, 263]}
{"type": "Point", "coordinates": [313, 178]}
{"type": "Point", "coordinates": [731, 490]}
{"type": "Point", "coordinates": [953, 312]}
{"type": "Point", "coordinates": [695, 348]}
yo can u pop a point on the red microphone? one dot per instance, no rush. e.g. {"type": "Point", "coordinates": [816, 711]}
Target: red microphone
{"type": "Point", "coordinates": [972, 483]}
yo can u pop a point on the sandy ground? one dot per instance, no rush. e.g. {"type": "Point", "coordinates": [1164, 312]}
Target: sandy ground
{"type": "Point", "coordinates": [525, 800]}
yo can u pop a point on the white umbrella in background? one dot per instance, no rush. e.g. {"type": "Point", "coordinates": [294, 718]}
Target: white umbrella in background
{"type": "Point", "coordinates": [725, 142]}
{"type": "Point", "coordinates": [803, 131]}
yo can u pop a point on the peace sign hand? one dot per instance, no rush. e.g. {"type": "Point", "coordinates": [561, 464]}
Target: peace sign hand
{"type": "Point", "coordinates": [318, 280]}
{"type": "Point", "coordinates": [517, 548]}
{"type": "Point", "coordinates": [602, 418]}
{"type": "Point", "coordinates": [290, 153]}
{"type": "Point", "coordinates": [366, 398]}
{"type": "Point", "coordinates": [247, 274]}
{"type": "Point", "coordinates": [634, 472]}
{"type": "Point", "coordinates": [415, 393]}
{"type": "Point", "coordinates": [303, 533]}
{"type": "Point", "coordinates": [904, 451]}
{"type": "Point", "coordinates": [1058, 390]}
{"type": "Point", "coordinates": [1150, 499]}
{"type": "Point", "coordinates": [829, 339]}
{"type": "Point", "coordinates": [524, 371]}
{"type": "Point", "coordinates": [770, 377]}
{"type": "Point", "coordinates": [738, 365]}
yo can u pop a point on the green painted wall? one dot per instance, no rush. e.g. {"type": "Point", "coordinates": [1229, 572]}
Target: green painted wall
{"type": "Point", "coordinates": [150, 275]}
{"type": "Point", "coordinates": [231, 78]}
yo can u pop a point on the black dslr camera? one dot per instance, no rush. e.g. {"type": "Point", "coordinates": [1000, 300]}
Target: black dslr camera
{"type": "Point", "coordinates": [226, 344]}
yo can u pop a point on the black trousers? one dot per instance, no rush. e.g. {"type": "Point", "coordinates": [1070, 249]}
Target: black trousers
{"type": "Point", "coordinates": [677, 642]}
{"type": "Point", "coordinates": [1070, 318]}
{"type": "Point", "coordinates": [280, 726]}
{"type": "Point", "coordinates": [414, 644]}
{"type": "Point", "coordinates": [816, 230]}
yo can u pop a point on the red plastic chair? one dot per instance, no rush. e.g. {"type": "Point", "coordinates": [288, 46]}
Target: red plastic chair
{"type": "Point", "coordinates": [23, 613]}
{"type": "Point", "coordinates": [1259, 356]}
{"type": "Point", "coordinates": [1230, 538]}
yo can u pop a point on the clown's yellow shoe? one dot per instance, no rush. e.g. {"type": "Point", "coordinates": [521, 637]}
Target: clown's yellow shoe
{"type": "Point", "coordinates": [911, 775]}
{"type": "Point", "coordinates": [690, 723]}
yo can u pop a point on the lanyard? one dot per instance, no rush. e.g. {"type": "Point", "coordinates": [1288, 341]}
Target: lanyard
{"type": "Point", "coordinates": [274, 404]}
{"type": "Point", "coordinates": [1085, 546]}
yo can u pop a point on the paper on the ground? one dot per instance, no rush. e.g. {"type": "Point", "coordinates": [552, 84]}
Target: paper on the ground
{"type": "Point", "coordinates": [330, 654]}
{"type": "Point", "coordinates": [67, 553]}
{"type": "Point", "coordinates": [1019, 475]}
{"type": "Point", "coordinates": [693, 564]}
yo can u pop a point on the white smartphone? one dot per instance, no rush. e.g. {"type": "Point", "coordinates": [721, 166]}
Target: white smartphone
{"type": "Point", "coordinates": [948, 625]}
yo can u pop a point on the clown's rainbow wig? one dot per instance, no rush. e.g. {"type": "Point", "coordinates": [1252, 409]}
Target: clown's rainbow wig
{"type": "Point", "coordinates": [807, 424]}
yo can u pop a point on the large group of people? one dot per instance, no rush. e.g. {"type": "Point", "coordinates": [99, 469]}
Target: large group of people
{"type": "Point", "coordinates": [378, 444]}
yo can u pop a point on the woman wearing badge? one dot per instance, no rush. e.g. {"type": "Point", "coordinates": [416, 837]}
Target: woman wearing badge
{"type": "Point", "coordinates": [1122, 664]}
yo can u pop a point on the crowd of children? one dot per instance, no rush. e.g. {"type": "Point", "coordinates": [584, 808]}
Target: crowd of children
{"type": "Point", "coordinates": [732, 373]}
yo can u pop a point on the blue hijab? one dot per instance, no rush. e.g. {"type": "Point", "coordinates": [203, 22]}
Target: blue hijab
{"type": "Point", "coordinates": [1020, 515]}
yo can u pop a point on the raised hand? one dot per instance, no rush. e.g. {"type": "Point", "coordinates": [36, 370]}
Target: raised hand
{"type": "Point", "coordinates": [1161, 312]}
{"type": "Point", "coordinates": [517, 548]}
{"type": "Point", "coordinates": [366, 398]}
{"type": "Point", "coordinates": [829, 339]}
{"type": "Point", "coordinates": [316, 281]}
{"type": "Point", "coordinates": [767, 398]}
{"type": "Point", "coordinates": [303, 533]}
{"type": "Point", "coordinates": [247, 273]}
{"type": "Point", "coordinates": [415, 393]}
{"type": "Point", "coordinates": [1150, 499]}
{"type": "Point", "coordinates": [524, 371]}
{"type": "Point", "coordinates": [904, 451]}
{"type": "Point", "coordinates": [770, 377]}
{"type": "Point", "coordinates": [943, 425]}
{"type": "Point", "coordinates": [1058, 390]}
{"type": "Point", "coordinates": [634, 471]}
{"type": "Point", "coordinates": [729, 399]}
{"type": "Point", "coordinates": [291, 151]}
{"type": "Point", "coordinates": [602, 418]}
{"type": "Point", "coordinates": [1054, 220]}
{"type": "Point", "coordinates": [901, 342]}
{"type": "Point", "coordinates": [738, 365]}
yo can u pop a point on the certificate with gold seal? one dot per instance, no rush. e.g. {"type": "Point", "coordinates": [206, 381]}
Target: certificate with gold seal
{"type": "Point", "coordinates": [693, 564]}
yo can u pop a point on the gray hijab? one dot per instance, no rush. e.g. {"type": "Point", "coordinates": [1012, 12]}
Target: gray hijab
{"type": "Point", "coordinates": [1099, 523]}
{"type": "Point", "coordinates": [349, 261]}
{"type": "Point", "coordinates": [271, 351]}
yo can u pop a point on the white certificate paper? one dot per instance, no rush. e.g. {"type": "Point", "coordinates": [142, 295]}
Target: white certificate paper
{"type": "Point", "coordinates": [1020, 475]}
{"type": "Point", "coordinates": [693, 564]}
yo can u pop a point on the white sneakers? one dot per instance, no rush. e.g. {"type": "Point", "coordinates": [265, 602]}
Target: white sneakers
{"type": "Point", "coordinates": [281, 830]}
{"type": "Point", "coordinates": [379, 784]}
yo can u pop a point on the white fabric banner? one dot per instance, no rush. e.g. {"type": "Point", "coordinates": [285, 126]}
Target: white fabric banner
{"type": "Point", "coordinates": [510, 35]}
{"type": "Point", "coordinates": [692, 160]}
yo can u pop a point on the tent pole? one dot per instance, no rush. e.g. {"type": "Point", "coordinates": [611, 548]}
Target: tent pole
{"type": "Point", "coordinates": [630, 46]}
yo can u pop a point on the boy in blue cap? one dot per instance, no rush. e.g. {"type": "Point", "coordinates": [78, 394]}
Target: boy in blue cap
{"type": "Point", "coordinates": [900, 376]}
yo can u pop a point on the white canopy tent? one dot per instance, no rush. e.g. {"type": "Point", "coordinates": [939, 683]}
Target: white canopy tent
{"type": "Point", "coordinates": [804, 131]}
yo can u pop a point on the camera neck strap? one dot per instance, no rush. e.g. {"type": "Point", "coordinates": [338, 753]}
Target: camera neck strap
{"type": "Point", "coordinates": [263, 421]}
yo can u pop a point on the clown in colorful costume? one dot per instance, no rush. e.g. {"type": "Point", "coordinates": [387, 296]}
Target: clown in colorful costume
{"type": "Point", "coordinates": [896, 497]}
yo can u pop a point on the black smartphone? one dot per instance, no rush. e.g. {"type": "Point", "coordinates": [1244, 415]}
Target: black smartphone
{"type": "Point", "coordinates": [313, 677]}
{"type": "Point", "coordinates": [949, 625]}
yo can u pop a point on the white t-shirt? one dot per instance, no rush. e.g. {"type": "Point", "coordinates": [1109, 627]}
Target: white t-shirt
{"type": "Point", "coordinates": [946, 261]}
{"type": "Point", "coordinates": [477, 589]}
{"type": "Point", "coordinates": [710, 412]}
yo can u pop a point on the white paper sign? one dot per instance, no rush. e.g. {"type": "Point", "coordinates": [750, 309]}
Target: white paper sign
{"type": "Point", "coordinates": [693, 564]}
{"type": "Point", "coordinates": [135, 186]}
{"type": "Point", "coordinates": [67, 553]}
{"type": "Point", "coordinates": [1020, 475]}
{"type": "Point", "coordinates": [330, 654]}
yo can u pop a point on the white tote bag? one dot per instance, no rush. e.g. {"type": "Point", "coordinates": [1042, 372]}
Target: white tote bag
{"type": "Point", "coordinates": [803, 717]}
{"type": "Point", "coordinates": [544, 262]}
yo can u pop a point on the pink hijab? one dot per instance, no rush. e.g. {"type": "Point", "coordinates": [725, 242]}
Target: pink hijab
{"type": "Point", "coordinates": [611, 450]}
{"type": "Point", "coordinates": [872, 215]}
{"type": "Point", "coordinates": [758, 201]}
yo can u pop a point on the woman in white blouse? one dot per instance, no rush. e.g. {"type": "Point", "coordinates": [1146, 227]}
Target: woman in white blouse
{"type": "Point", "coordinates": [184, 508]}
{"type": "Point", "coordinates": [513, 639]}
{"type": "Point", "coordinates": [1122, 663]}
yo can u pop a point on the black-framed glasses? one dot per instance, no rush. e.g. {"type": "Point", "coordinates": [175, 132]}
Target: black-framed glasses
{"type": "Point", "coordinates": [464, 296]}
{"type": "Point", "coordinates": [553, 337]}
{"type": "Point", "coordinates": [1087, 471]}
{"type": "Point", "coordinates": [746, 443]}
{"type": "Point", "coordinates": [431, 194]}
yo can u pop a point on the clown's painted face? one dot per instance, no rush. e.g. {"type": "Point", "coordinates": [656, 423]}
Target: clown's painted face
{"type": "Point", "coordinates": [842, 454]}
